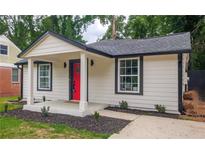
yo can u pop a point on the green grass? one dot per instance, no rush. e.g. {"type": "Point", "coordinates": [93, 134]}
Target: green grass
{"type": "Point", "coordinates": [14, 128]}
{"type": "Point", "coordinates": [4, 100]}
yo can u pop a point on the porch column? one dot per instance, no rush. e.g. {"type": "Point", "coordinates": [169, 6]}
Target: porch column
{"type": "Point", "coordinates": [83, 83]}
{"type": "Point", "coordinates": [30, 82]}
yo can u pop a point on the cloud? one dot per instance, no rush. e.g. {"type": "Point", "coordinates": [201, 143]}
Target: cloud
{"type": "Point", "coordinates": [94, 31]}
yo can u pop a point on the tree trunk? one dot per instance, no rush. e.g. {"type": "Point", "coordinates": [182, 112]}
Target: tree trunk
{"type": "Point", "coordinates": [113, 27]}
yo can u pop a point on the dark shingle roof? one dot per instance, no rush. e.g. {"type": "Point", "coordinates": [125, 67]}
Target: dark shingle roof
{"type": "Point", "coordinates": [174, 43]}
{"type": "Point", "coordinates": [171, 43]}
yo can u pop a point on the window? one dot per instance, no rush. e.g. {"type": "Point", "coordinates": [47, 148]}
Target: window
{"type": "Point", "coordinates": [44, 76]}
{"type": "Point", "coordinates": [3, 49]}
{"type": "Point", "coordinates": [128, 75]}
{"type": "Point", "coordinates": [15, 75]}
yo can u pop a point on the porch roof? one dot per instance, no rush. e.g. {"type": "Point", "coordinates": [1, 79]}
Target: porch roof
{"type": "Point", "coordinates": [170, 44]}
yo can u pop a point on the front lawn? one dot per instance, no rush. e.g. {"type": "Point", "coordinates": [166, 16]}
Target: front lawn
{"type": "Point", "coordinates": [14, 128]}
{"type": "Point", "coordinates": [4, 100]}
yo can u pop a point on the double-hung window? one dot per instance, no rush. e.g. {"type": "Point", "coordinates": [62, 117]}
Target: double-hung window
{"type": "Point", "coordinates": [15, 75]}
{"type": "Point", "coordinates": [3, 49]}
{"type": "Point", "coordinates": [44, 76]}
{"type": "Point", "coordinates": [129, 75]}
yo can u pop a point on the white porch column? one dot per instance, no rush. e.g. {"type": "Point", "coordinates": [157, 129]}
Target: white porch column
{"type": "Point", "coordinates": [83, 83]}
{"type": "Point", "coordinates": [30, 82]}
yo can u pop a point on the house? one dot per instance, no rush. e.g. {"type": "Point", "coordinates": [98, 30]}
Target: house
{"type": "Point", "coordinates": [9, 73]}
{"type": "Point", "coordinates": [78, 79]}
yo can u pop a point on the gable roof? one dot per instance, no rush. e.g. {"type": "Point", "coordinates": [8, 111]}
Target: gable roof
{"type": "Point", "coordinates": [7, 39]}
{"type": "Point", "coordinates": [174, 43]}
{"type": "Point", "coordinates": [63, 38]}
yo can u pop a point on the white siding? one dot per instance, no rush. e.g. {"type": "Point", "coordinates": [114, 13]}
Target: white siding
{"type": "Point", "coordinates": [160, 83]}
{"type": "Point", "coordinates": [60, 83]}
{"type": "Point", "coordinates": [52, 45]}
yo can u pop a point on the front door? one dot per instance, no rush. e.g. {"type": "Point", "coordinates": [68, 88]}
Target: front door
{"type": "Point", "coordinates": [76, 81]}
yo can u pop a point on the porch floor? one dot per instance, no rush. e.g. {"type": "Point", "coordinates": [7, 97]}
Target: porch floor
{"type": "Point", "coordinates": [61, 107]}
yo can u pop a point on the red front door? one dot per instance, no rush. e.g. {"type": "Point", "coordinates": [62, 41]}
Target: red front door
{"type": "Point", "coordinates": [76, 81]}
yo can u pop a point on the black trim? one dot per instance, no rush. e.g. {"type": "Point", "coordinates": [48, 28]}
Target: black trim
{"type": "Point", "coordinates": [87, 77]}
{"type": "Point", "coordinates": [21, 81]}
{"type": "Point", "coordinates": [180, 105]}
{"type": "Point", "coordinates": [153, 53]}
{"type": "Point", "coordinates": [141, 78]}
{"type": "Point", "coordinates": [71, 62]}
{"type": "Point", "coordinates": [51, 83]}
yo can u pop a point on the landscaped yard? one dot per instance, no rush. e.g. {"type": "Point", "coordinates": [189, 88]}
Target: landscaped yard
{"type": "Point", "coordinates": [14, 128]}
{"type": "Point", "coordinates": [4, 100]}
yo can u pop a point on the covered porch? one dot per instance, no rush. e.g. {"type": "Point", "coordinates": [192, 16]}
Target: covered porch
{"type": "Point", "coordinates": [49, 73]}
{"type": "Point", "coordinates": [65, 107]}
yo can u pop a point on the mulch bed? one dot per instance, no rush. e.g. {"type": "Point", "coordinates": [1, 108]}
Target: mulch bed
{"type": "Point", "coordinates": [140, 112]}
{"type": "Point", "coordinates": [105, 125]}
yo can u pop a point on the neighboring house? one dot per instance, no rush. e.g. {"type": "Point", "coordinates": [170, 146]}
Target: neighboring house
{"type": "Point", "coordinates": [9, 73]}
{"type": "Point", "coordinates": [143, 72]}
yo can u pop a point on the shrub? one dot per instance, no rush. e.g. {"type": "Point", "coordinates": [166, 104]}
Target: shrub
{"type": "Point", "coordinates": [45, 111]}
{"type": "Point", "coordinates": [160, 108]}
{"type": "Point", "coordinates": [96, 115]}
{"type": "Point", "coordinates": [6, 106]}
{"type": "Point", "coordinates": [123, 104]}
{"type": "Point", "coordinates": [44, 98]}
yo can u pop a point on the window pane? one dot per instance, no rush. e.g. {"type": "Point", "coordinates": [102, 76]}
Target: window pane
{"type": "Point", "coordinates": [44, 76]}
{"type": "Point", "coordinates": [134, 87]}
{"type": "Point", "coordinates": [134, 71]}
{"type": "Point", "coordinates": [122, 71]}
{"type": "Point", "coordinates": [15, 75]}
{"type": "Point", "coordinates": [128, 63]}
{"type": "Point", "coordinates": [128, 79]}
{"type": "Point", "coordinates": [128, 71]}
{"type": "Point", "coordinates": [134, 79]}
{"type": "Point", "coordinates": [134, 63]}
{"type": "Point", "coordinates": [128, 87]}
{"type": "Point", "coordinates": [3, 49]}
{"type": "Point", "coordinates": [122, 63]}
{"type": "Point", "coordinates": [122, 87]}
{"type": "Point", "coordinates": [122, 79]}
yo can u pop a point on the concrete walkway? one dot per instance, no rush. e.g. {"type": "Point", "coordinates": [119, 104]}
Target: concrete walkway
{"type": "Point", "coordinates": [152, 127]}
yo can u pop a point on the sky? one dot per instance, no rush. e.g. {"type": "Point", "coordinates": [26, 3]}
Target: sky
{"type": "Point", "coordinates": [94, 31]}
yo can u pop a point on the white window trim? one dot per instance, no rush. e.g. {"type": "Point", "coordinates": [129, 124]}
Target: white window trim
{"type": "Point", "coordinates": [118, 65]}
{"type": "Point", "coordinates": [12, 76]}
{"type": "Point", "coordinates": [49, 77]}
{"type": "Point", "coordinates": [7, 49]}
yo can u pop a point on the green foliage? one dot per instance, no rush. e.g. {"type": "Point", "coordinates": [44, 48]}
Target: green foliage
{"type": "Point", "coordinates": [96, 116]}
{"type": "Point", "coordinates": [123, 104]}
{"type": "Point", "coordinates": [45, 111]}
{"type": "Point", "coordinates": [6, 106]}
{"type": "Point", "coordinates": [160, 108]}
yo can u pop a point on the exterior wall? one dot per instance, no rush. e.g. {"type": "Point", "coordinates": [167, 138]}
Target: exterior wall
{"type": "Point", "coordinates": [160, 83]}
{"type": "Point", "coordinates": [52, 45]}
{"type": "Point", "coordinates": [13, 51]}
{"type": "Point", "coordinates": [60, 81]}
{"type": "Point", "coordinates": [7, 88]}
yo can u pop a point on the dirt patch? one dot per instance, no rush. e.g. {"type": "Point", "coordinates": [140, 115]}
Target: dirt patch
{"type": "Point", "coordinates": [105, 125]}
{"type": "Point", "coordinates": [140, 112]}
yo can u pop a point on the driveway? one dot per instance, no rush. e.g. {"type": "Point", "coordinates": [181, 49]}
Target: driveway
{"type": "Point", "coordinates": [152, 127]}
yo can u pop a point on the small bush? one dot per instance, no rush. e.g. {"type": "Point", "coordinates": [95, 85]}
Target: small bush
{"type": "Point", "coordinates": [96, 116]}
{"type": "Point", "coordinates": [123, 104]}
{"type": "Point", "coordinates": [6, 106]}
{"type": "Point", "coordinates": [19, 98]}
{"type": "Point", "coordinates": [160, 108]}
{"type": "Point", "coordinates": [44, 98]}
{"type": "Point", "coordinates": [45, 111]}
